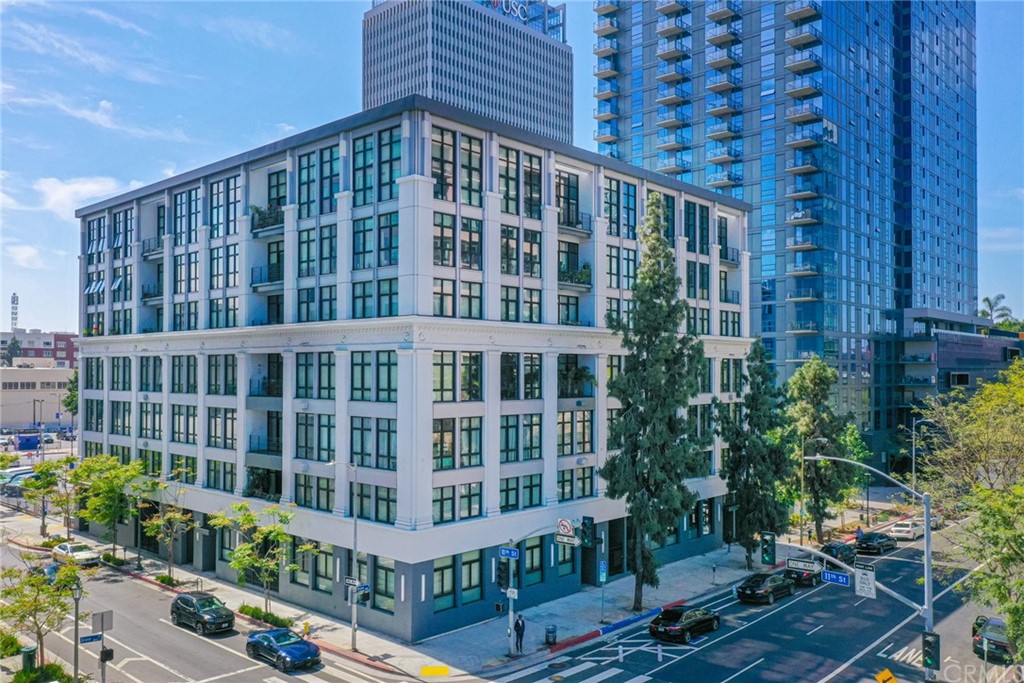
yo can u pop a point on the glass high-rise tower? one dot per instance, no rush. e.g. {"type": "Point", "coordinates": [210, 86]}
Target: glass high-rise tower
{"type": "Point", "coordinates": [850, 127]}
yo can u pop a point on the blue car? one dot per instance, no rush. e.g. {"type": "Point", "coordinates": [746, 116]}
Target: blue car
{"type": "Point", "coordinates": [284, 648]}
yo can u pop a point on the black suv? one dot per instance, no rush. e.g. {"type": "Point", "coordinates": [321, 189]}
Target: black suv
{"type": "Point", "coordinates": [844, 552]}
{"type": "Point", "coordinates": [203, 612]}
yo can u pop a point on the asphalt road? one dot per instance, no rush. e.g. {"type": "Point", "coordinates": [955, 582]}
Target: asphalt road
{"type": "Point", "coordinates": [148, 649]}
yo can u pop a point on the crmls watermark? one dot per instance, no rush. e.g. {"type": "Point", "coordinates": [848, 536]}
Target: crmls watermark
{"type": "Point", "coordinates": [977, 672]}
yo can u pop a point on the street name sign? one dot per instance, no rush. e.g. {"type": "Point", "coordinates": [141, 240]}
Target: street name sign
{"type": "Point", "coordinates": [363, 587]}
{"type": "Point", "coordinates": [865, 580]}
{"type": "Point", "coordinates": [510, 553]}
{"type": "Point", "coordinates": [91, 638]}
{"type": "Point", "coordinates": [838, 578]}
{"type": "Point", "coordinates": [803, 565]}
{"type": "Point", "coordinates": [564, 539]}
{"type": "Point", "coordinates": [351, 581]}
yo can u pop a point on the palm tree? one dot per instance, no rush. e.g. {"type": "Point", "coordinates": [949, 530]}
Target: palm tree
{"type": "Point", "coordinates": [993, 308]}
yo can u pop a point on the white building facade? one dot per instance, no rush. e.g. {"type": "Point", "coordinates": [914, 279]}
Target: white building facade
{"type": "Point", "coordinates": [382, 319]}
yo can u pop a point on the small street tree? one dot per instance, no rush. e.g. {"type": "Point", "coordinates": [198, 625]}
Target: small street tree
{"type": "Point", "coordinates": [30, 603]}
{"type": "Point", "coordinates": [106, 497]}
{"type": "Point", "coordinates": [171, 521]}
{"type": "Point", "coordinates": [817, 430]}
{"type": "Point", "coordinates": [54, 488]}
{"type": "Point", "coordinates": [659, 445]}
{"type": "Point", "coordinates": [261, 545]}
{"type": "Point", "coordinates": [12, 352]}
{"type": "Point", "coordinates": [758, 459]}
{"type": "Point", "coordinates": [70, 400]}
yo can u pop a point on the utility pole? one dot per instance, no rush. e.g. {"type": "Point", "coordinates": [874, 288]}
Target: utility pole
{"type": "Point", "coordinates": [353, 599]}
{"type": "Point", "coordinates": [511, 601]}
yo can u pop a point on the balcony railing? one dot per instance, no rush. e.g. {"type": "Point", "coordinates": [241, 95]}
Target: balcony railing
{"type": "Point", "coordinates": [724, 179]}
{"type": "Point", "coordinates": [670, 26]}
{"type": "Point", "coordinates": [670, 48]}
{"type": "Point", "coordinates": [264, 444]}
{"type": "Point", "coordinates": [804, 86]}
{"type": "Point", "coordinates": [606, 25]}
{"type": "Point", "coordinates": [716, 59]}
{"type": "Point", "coordinates": [672, 116]}
{"type": "Point", "coordinates": [802, 113]}
{"type": "Point", "coordinates": [721, 35]}
{"type": "Point", "coordinates": [803, 35]}
{"type": "Point", "coordinates": [570, 216]}
{"type": "Point", "coordinates": [606, 109]}
{"type": "Point", "coordinates": [152, 244]}
{"type": "Point", "coordinates": [805, 294]}
{"type": "Point", "coordinates": [917, 358]}
{"type": "Point", "coordinates": [606, 46]}
{"type": "Point", "coordinates": [606, 89]}
{"type": "Point", "coordinates": [269, 217]}
{"type": "Point", "coordinates": [719, 10]}
{"type": "Point", "coordinates": [803, 61]}
{"type": "Point", "coordinates": [672, 71]}
{"type": "Point", "coordinates": [729, 254]}
{"type": "Point", "coordinates": [730, 296]}
{"type": "Point", "coordinates": [673, 162]}
{"type": "Point", "coordinates": [717, 81]}
{"type": "Point", "coordinates": [802, 9]}
{"type": "Point", "coordinates": [152, 291]}
{"type": "Point", "coordinates": [803, 138]}
{"type": "Point", "coordinates": [266, 386]}
{"type": "Point", "coordinates": [670, 6]}
{"type": "Point", "coordinates": [718, 131]}
{"type": "Point", "coordinates": [262, 275]}
{"type": "Point", "coordinates": [578, 276]}
{"type": "Point", "coordinates": [803, 269]}
{"type": "Point", "coordinates": [916, 380]}
{"type": "Point", "coordinates": [803, 326]}
{"type": "Point", "coordinates": [605, 6]}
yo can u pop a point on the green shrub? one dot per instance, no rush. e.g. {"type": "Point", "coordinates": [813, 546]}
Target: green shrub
{"type": "Point", "coordinates": [44, 674]}
{"type": "Point", "coordinates": [166, 580]}
{"type": "Point", "coordinates": [52, 541]}
{"type": "Point", "coordinates": [268, 617]}
{"type": "Point", "coordinates": [9, 645]}
{"type": "Point", "coordinates": [113, 559]}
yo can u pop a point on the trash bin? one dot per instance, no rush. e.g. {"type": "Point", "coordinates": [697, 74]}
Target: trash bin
{"type": "Point", "coordinates": [550, 634]}
{"type": "Point", "coordinates": [28, 658]}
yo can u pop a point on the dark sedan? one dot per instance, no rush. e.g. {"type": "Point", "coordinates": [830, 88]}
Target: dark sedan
{"type": "Point", "coordinates": [875, 542]}
{"type": "Point", "coordinates": [683, 625]}
{"type": "Point", "coordinates": [203, 612]}
{"type": "Point", "coordinates": [284, 648]}
{"type": "Point", "coordinates": [844, 552]}
{"type": "Point", "coordinates": [765, 588]}
{"type": "Point", "coordinates": [991, 642]}
{"type": "Point", "coordinates": [802, 577]}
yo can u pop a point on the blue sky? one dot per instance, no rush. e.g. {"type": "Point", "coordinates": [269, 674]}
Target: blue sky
{"type": "Point", "coordinates": [98, 98]}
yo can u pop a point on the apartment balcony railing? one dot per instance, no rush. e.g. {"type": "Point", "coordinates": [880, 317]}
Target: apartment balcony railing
{"type": "Point", "coordinates": [803, 36]}
{"type": "Point", "coordinates": [719, 82]}
{"type": "Point", "coordinates": [265, 444]}
{"type": "Point", "coordinates": [606, 67]}
{"type": "Point", "coordinates": [730, 296]}
{"type": "Point", "coordinates": [582, 275]}
{"type": "Point", "coordinates": [803, 217]}
{"type": "Point", "coordinates": [670, 72]}
{"type": "Point", "coordinates": [672, 94]}
{"type": "Point", "coordinates": [803, 269]}
{"type": "Point", "coordinates": [672, 26]}
{"type": "Point", "coordinates": [916, 380]}
{"type": "Point", "coordinates": [570, 216]}
{"type": "Point", "coordinates": [673, 48]}
{"type": "Point", "coordinates": [801, 191]}
{"type": "Point", "coordinates": [605, 6]}
{"type": "Point", "coordinates": [725, 179]}
{"type": "Point", "coordinates": [721, 154]}
{"type": "Point", "coordinates": [266, 387]}
{"type": "Point", "coordinates": [802, 9]}
{"type": "Point", "coordinates": [153, 291]}
{"type": "Point", "coordinates": [803, 61]}
{"type": "Point", "coordinates": [673, 162]}
{"type": "Point", "coordinates": [722, 58]}
{"type": "Point", "coordinates": [803, 294]}
{"type": "Point", "coordinates": [268, 274]}
{"type": "Point", "coordinates": [803, 138]}
{"type": "Point", "coordinates": [672, 117]}
{"type": "Point", "coordinates": [606, 26]}
{"type": "Point", "coordinates": [606, 46]}
{"type": "Point", "coordinates": [803, 86]}
{"type": "Point", "coordinates": [729, 254]}
{"type": "Point", "coordinates": [152, 245]}
{"type": "Point", "coordinates": [266, 218]}
{"type": "Point", "coordinates": [673, 139]}
{"type": "Point", "coordinates": [672, 6]}
{"type": "Point", "coordinates": [805, 163]}
{"type": "Point", "coordinates": [606, 89]}
{"type": "Point", "coordinates": [803, 113]}
{"type": "Point", "coordinates": [805, 326]}
{"type": "Point", "coordinates": [722, 131]}
{"type": "Point", "coordinates": [721, 106]}
{"type": "Point", "coordinates": [721, 35]}
{"type": "Point", "coordinates": [606, 110]}
{"type": "Point", "coordinates": [721, 10]}
{"type": "Point", "coordinates": [606, 132]}
{"type": "Point", "coordinates": [917, 358]}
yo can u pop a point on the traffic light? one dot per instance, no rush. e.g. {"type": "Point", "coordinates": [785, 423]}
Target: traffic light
{"type": "Point", "coordinates": [767, 548]}
{"type": "Point", "coordinates": [106, 654]}
{"type": "Point", "coordinates": [587, 532]}
{"type": "Point", "coordinates": [930, 643]}
{"type": "Point", "coordinates": [503, 574]}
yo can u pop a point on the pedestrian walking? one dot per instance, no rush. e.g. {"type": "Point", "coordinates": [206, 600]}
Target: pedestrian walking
{"type": "Point", "coordinates": [520, 629]}
{"type": "Point", "coordinates": [860, 533]}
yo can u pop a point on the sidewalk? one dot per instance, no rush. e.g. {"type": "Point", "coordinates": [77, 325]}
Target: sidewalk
{"type": "Point", "coordinates": [477, 652]}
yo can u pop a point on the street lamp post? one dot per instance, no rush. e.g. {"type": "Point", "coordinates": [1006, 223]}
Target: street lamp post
{"type": "Point", "coordinates": [926, 499]}
{"type": "Point", "coordinates": [913, 449]}
{"type": "Point", "coordinates": [40, 402]}
{"type": "Point", "coordinates": [76, 594]}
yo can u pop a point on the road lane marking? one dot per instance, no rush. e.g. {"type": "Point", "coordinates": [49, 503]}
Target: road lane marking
{"type": "Point", "coordinates": [231, 673]}
{"type": "Point", "coordinates": [859, 601]}
{"type": "Point", "coordinates": [743, 670]}
{"type": "Point", "coordinates": [530, 670]}
{"type": "Point", "coordinates": [639, 679]}
{"type": "Point", "coordinates": [815, 629]}
{"type": "Point", "coordinates": [607, 673]}
{"type": "Point", "coordinates": [193, 634]}
{"type": "Point", "coordinates": [96, 656]}
{"type": "Point", "coordinates": [136, 652]}
{"type": "Point", "coordinates": [881, 653]}
{"type": "Point", "coordinates": [579, 668]}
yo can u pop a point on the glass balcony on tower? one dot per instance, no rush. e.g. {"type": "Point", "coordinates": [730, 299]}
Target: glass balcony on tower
{"type": "Point", "coordinates": [718, 82]}
{"type": "Point", "coordinates": [721, 130]}
{"type": "Point", "coordinates": [720, 105]}
{"type": "Point", "coordinates": [803, 191]}
{"type": "Point", "coordinates": [672, 6]}
{"type": "Point", "coordinates": [803, 36]}
{"type": "Point", "coordinates": [803, 87]}
{"type": "Point", "coordinates": [721, 154]}
{"type": "Point", "coordinates": [801, 164]}
{"type": "Point", "coordinates": [803, 269]}
{"type": "Point", "coordinates": [672, 94]}
{"type": "Point", "coordinates": [607, 131]}
{"type": "Point", "coordinates": [805, 241]}
{"type": "Point", "coordinates": [605, 26]}
{"type": "Point", "coordinates": [602, 7]}
{"type": "Point", "coordinates": [672, 117]}
{"type": "Point", "coordinates": [674, 48]}
{"type": "Point", "coordinates": [673, 162]}
{"type": "Point", "coordinates": [606, 90]}
{"type": "Point", "coordinates": [670, 139]}
{"type": "Point", "coordinates": [605, 47]}
{"type": "Point", "coordinates": [803, 217]}
{"type": "Point", "coordinates": [803, 295]}
{"type": "Point", "coordinates": [798, 10]}
{"type": "Point", "coordinates": [607, 110]}
{"type": "Point", "coordinates": [670, 72]}
{"type": "Point", "coordinates": [722, 36]}
{"type": "Point", "coordinates": [803, 327]}
{"type": "Point", "coordinates": [803, 113]}
{"type": "Point", "coordinates": [724, 179]}
{"type": "Point", "coordinates": [606, 67]}
{"type": "Point", "coordinates": [723, 58]}
{"type": "Point", "coordinates": [802, 61]}
{"type": "Point", "coordinates": [673, 26]}
{"type": "Point", "coordinates": [721, 10]}
{"type": "Point", "coordinates": [802, 139]}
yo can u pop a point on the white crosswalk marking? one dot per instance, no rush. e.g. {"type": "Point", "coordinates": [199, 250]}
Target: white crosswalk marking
{"type": "Point", "coordinates": [576, 669]}
{"type": "Point", "coordinates": [533, 669]}
{"type": "Point", "coordinates": [638, 679]}
{"type": "Point", "coordinates": [607, 673]}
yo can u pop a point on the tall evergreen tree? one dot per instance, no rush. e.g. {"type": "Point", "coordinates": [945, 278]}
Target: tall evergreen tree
{"type": "Point", "coordinates": [758, 459]}
{"type": "Point", "coordinates": [658, 443]}
{"type": "Point", "coordinates": [818, 431]}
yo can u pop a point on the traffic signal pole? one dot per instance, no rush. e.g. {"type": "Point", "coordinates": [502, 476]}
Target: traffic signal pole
{"type": "Point", "coordinates": [511, 604]}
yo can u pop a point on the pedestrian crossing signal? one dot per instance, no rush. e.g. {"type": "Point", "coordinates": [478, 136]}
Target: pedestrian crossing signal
{"type": "Point", "coordinates": [503, 574]}
{"type": "Point", "coordinates": [930, 643]}
{"type": "Point", "coordinates": [767, 548]}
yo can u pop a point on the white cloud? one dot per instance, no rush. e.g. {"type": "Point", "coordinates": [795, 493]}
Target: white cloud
{"type": "Point", "coordinates": [285, 128]}
{"type": "Point", "coordinates": [63, 197]}
{"type": "Point", "coordinates": [116, 21]}
{"type": "Point", "coordinates": [25, 256]}
{"type": "Point", "coordinates": [1001, 239]}
{"type": "Point", "coordinates": [260, 34]}
{"type": "Point", "coordinates": [103, 115]}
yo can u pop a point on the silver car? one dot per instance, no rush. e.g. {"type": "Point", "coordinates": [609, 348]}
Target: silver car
{"type": "Point", "coordinates": [75, 553]}
{"type": "Point", "coordinates": [907, 530]}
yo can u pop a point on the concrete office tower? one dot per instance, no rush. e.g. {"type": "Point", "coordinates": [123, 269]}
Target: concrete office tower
{"type": "Point", "coordinates": [503, 59]}
{"type": "Point", "coordinates": [386, 318]}
{"type": "Point", "coordinates": [850, 127]}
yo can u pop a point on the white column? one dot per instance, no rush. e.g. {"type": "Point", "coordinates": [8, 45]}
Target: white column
{"type": "Point", "coordinates": [287, 424]}
{"type": "Point", "coordinates": [415, 427]}
{"type": "Point", "coordinates": [242, 426]}
{"type": "Point", "coordinates": [549, 429]}
{"type": "Point", "coordinates": [168, 418]}
{"type": "Point", "coordinates": [344, 276]}
{"type": "Point", "coordinates": [415, 245]}
{"type": "Point", "coordinates": [343, 434]}
{"type": "Point", "coordinates": [744, 293]}
{"type": "Point", "coordinates": [201, 435]}
{"type": "Point", "coordinates": [492, 434]}
{"type": "Point", "coordinates": [291, 269]}
{"type": "Point", "coordinates": [203, 295]}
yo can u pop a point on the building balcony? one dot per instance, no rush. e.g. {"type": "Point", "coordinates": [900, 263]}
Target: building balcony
{"type": "Point", "coordinates": [605, 47]}
{"type": "Point", "coordinates": [267, 275]}
{"type": "Point", "coordinates": [267, 445]}
{"type": "Point", "coordinates": [719, 105]}
{"type": "Point", "coordinates": [571, 219]}
{"type": "Point", "coordinates": [606, 68]}
{"type": "Point", "coordinates": [803, 269]}
{"type": "Point", "coordinates": [803, 295]}
{"type": "Point", "coordinates": [718, 82]}
{"type": "Point", "coordinates": [798, 10]}
{"type": "Point", "coordinates": [268, 219]}
{"type": "Point", "coordinates": [803, 61]}
{"type": "Point", "coordinates": [606, 26]}
{"type": "Point", "coordinates": [723, 131]}
{"type": "Point", "coordinates": [721, 10]}
{"type": "Point", "coordinates": [803, 36]}
{"type": "Point", "coordinates": [729, 255]}
{"type": "Point", "coordinates": [672, 94]}
{"type": "Point", "coordinates": [606, 89]}
{"type": "Point", "coordinates": [672, 117]}
{"type": "Point", "coordinates": [720, 154]}
{"type": "Point", "coordinates": [803, 217]}
{"type": "Point", "coordinates": [808, 242]}
{"type": "Point", "coordinates": [729, 296]}
{"type": "Point", "coordinates": [803, 327]}
{"type": "Point", "coordinates": [673, 162]}
{"type": "Point", "coordinates": [723, 58]}
{"type": "Point", "coordinates": [803, 164]}
{"type": "Point", "coordinates": [606, 110]}
{"type": "Point", "coordinates": [916, 381]}
{"type": "Point", "coordinates": [152, 246]}
{"type": "Point", "coordinates": [803, 138]}
{"type": "Point", "coordinates": [803, 87]}
{"type": "Point", "coordinates": [803, 113]}
{"type": "Point", "coordinates": [724, 179]}
{"type": "Point", "coordinates": [670, 72]}
{"type": "Point", "coordinates": [673, 49]}
{"type": "Point", "coordinates": [669, 140]}
{"type": "Point", "coordinates": [154, 291]}
{"type": "Point", "coordinates": [802, 191]}
{"type": "Point", "coordinates": [606, 132]}
{"type": "Point", "coordinates": [721, 36]}
{"type": "Point", "coordinates": [672, 26]}
{"type": "Point", "coordinates": [927, 358]}
{"type": "Point", "coordinates": [266, 386]}
{"type": "Point", "coordinates": [580, 277]}
{"type": "Point", "coordinates": [673, 6]}
{"type": "Point", "coordinates": [602, 7]}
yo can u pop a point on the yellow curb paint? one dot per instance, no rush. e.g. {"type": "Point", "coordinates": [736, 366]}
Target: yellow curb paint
{"type": "Point", "coordinates": [436, 670]}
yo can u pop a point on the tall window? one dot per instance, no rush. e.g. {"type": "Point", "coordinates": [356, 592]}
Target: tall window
{"type": "Point", "coordinates": [531, 306]}
{"type": "Point", "coordinates": [307, 252]}
{"type": "Point", "coordinates": [509, 439]}
{"type": "Point", "coordinates": [532, 376]}
{"type": "Point", "coordinates": [387, 444]}
{"type": "Point", "coordinates": [387, 239]}
{"type": "Point", "coordinates": [362, 170]}
{"type": "Point", "coordinates": [444, 376]}
{"type": "Point", "coordinates": [532, 196]}
{"type": "Point", "coordinates": [444, 583]}
{"type": "Point", "coordinates": [612, 199]}
{"type": "Point", "coordinates": [362, 299]}
{"type": "Point", "coordinates": [444, 443]}
{"type": "Point", "coordinates": [567, 197]}
{"type": "Point", "coordinates": [362, 243]}
{"type": "Point", "coordinates": [509, 376]}
{"type": "Point", "coordinates": [471, 377]}
{"type": "Point", "coordinates": [329, 179]}
{"type": "Point", "coordinates": [362, 376]}
{"type": "Point", "coordinates": [387, 376]}
{"type": "Point", "coordinates": [328, 249]}
{"type": "Point", "coordinates": [690, 226]}
{"type": "Point", "coordinates": [531, 253]}
{"type": "Point", "coordinates": [442, 163]}
{"type": "Point", "coordinates": [470, 250]}
{"type": "Point", "coordinates": [472, 166]}
{"type": "Point", "coordinates": [471, 300]}
{"type": "Point", "coordinates": [444, 504]}
{"type": "Point", "coordinates": [307, 185]}
{"type": "Point", "coordinates": [629, 210]}
{"type": "Point", "coordinates": [387, 297]}
{"type": "Point", "coordinates": [444, 297]}
{"type": "Point", "coordinates": [510, 304]}
{"type": "Point", "coordinates": [277, 188]}
{"type": "Point", "coordinates": [325, 371]}
{"type": "Point", "coordinates": [509, 250]}
{"type": "Point", "coordinates": [470, 441]}
{"type": "Point", "coordinates": [472, 572]}
{"type": "Point", "coordinates": [390, 163]}
{"type": "Point", "coordinates": [508, 180]}
{"type": "Point", "coordinates": [444, 239]}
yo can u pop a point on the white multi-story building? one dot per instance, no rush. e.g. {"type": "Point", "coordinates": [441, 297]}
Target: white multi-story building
{"type": "Point", "coordinates": [506, 59]}
{"type": "Point", "coordinates": [383, 319]}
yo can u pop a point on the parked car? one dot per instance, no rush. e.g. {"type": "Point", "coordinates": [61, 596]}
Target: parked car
{"type": "Point", "coordinates": [844, 552]}
{"type": "Point", "coordinates": [14, 486]}
{"type": "Point", "coordinates": [907, 530]}
{"type": "Point", "coordinates": [991, 641]}
{"type": "Point", "coordinates": [47, 438]}
{"type": "Point", "coordinates": [802, 577]}
{"type": "Point", "coordinates": [284, 648]}
{"type": "Point", "coordinates": [9, 474]}
{"type": "Point", "coordinates": [49, 570]}
{"type": "Point", "coordinates": [765, 588]}
{"type": "Point", "coordinates": [76, 553]}
{"type": "Point", "coordinates": [681, 625]}
{"type": "Point", "coordinates": [202, 611]}
{"type": "Point", "coordinates": [876, 542]}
